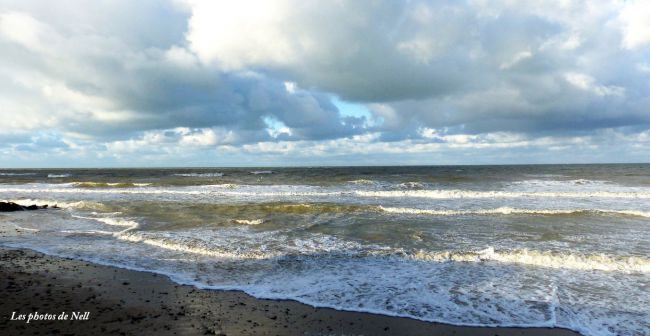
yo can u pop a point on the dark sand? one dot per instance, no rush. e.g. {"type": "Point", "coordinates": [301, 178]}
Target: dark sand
{"type": "Point", "coordinates": [124, 302]}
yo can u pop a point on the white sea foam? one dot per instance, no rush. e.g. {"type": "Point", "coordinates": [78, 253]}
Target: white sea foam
{"type": "Point", "coordinates": [448, 286]}
{"type": "Point", "coordinates": [449, 296]}
{"type": "Point", "coordinates": [561, 183]}
{"type": "Point", "coordinates": [108, 184]}
{"type": "Point", "coordinates": [59, 203]}
{"type": "Point", "coordinates": [17, 174]}
{"type": "Point", "coordinates": [242, 243]}
{"type": "Point", "coordinates": [289, 191]}
{"type": "Point", "coordinates": [18, 227]}
{"type": "Point", "coordinates": [58, 175]}
{"type": "Point", "coordinates": [600, 262]}
{"type": "Point", "coordinates": [223, 247]}
{"type": "Point", "coordinates": [258, 172]}
{"type": "Point", "coordinates": [151, 190]}
{"type": "Point", "coordinates": [189, 245]}
{"type": "Point", "coordinates": [118, 222]}
{"type": "Point", "coordinates": [130, 224]}
{"type": "Point", "coordinates": [222, 186]}
{"type": "Point", "coordinates": [249, 221]}
{"type": "Point", "coordinates": [411, 185]}
{"type": "Point", "coordinates": [200, 174]}
{"type": "Point", "coordinates": [457, 194]}
{"type": "Point", "coordinates": [279, 191]}
{"type": "Point", "coordinates": [509, 211]}
{"type": "Point", "coordinates": [87, 232]}
{"type": "Point", "coordinates": [363, 182]}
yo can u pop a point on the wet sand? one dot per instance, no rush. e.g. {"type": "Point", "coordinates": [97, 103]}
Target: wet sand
{"type": "Point", "coordinates": [125, 302]}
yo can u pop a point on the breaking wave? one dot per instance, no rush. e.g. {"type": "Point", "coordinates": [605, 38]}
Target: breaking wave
{"type": "Point", "coordinates": [510, 211]}
{"type": "Point", "coordinates": [186, 245]}
{"type": "Point", "coordinates": [112, 221]}
{"type": "Point", "coordinates": [249, 221]}
{"type": "Point", "coordinates": [58, 175]}
{"type": "Point", "coordinates": [199, 175]}
{"type": "Point", "coordinates": [363, 182]}
{"type": "Point", "coordinates": [109, 184]}
{"type": "Point", "coordinates": [60, 204]}
{"type": "Point", "coordinates": [599, 262]}
{"type": "Point", "coordinates": [411, 185]}
{"type": "Point", "coordinates": [301, 190]}
{"type": "Point", "coordinates": [455, 193]}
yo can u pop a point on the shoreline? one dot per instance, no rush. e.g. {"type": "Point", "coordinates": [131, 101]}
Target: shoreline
{"type": "Point", "coordinates": [123, 301]}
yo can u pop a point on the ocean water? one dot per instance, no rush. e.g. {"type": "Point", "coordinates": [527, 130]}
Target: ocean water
{"type": "Point", "coordinates": [552, 245]}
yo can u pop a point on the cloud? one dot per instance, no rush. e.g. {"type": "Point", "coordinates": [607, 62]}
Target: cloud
{"type": "Point", "coordinates": [87, 84]}
{"type": "Point", "coordinates": [635, 19]}
{"type": "Point", "coordinates": [350, 48]}
{"type": "Point", "coordinates": [110, 80]}
{"type": "Point", "coordinates": [480, 66]}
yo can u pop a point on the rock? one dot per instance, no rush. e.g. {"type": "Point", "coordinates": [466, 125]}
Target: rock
{"type": "Point", "coordinates": [11, 206]}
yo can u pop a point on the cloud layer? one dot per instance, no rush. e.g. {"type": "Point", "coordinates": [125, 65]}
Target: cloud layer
{"type": "Point", "coordinates": [232, 82]}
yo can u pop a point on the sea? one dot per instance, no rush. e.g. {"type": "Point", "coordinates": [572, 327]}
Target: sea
{"type": "Point", "coordinates": [520, 245]}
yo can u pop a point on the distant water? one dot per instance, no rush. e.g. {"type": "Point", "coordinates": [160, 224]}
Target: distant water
{"type": "Point", "coordinates": [558, 245]}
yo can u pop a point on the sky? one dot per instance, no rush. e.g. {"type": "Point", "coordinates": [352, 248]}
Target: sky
{"type": "Point", "coordinates": [342, 82]}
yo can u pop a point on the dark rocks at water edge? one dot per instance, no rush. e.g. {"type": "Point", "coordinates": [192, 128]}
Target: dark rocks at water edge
{"type": "Point", "coordinates": [11, 206]}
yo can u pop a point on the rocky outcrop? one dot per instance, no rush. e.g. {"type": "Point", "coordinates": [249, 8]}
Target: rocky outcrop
{"type": "Point", "coordinates": [11, 206]}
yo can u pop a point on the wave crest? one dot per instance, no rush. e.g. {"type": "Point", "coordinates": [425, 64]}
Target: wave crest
{"type": "Point", "coordinates": [61, 204]}
{"type": "Point", "coordinates": [58, 175]}
{"type": "Point", "coordinates": [600, 262]}
{"type": "Point", "coordinates": [199, 174]}
{"type": "Point", "coordinates": [249, 221]}
{"type": "Point", "coordinates": [509, 211]}
{"type": "Point", "coordinates": [189, 245]}
{"type": "Point", "coordinates": [109, 184]}
{"type": "Point", "coordinates": [456, 193]}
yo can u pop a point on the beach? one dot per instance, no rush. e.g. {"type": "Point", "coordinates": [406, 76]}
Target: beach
{"type": "Point", "coordinates": [127, 302]}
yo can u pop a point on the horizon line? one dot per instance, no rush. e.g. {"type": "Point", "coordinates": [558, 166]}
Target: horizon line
{"type": "Point", "coordinates": [332, 166]}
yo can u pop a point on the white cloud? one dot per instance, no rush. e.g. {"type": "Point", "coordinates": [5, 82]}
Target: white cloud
{"type": "Point", "coordinates": [291, 87]}
{"type": "Point", "coordinates": [236, 34]}
{"type": "Point", "coordinates": [23, 29]}
{"type": "Point", "coordinates": [203, 137]}
{"type": "Point", "coordinates": [588, 83]}
{"type": "Point", "coordinates": [635, 20]}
